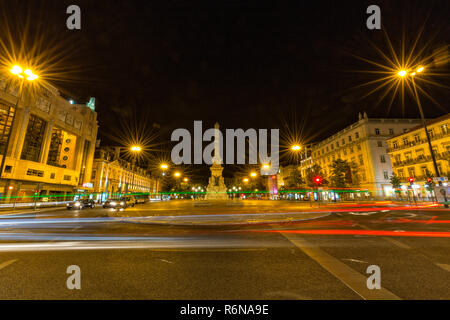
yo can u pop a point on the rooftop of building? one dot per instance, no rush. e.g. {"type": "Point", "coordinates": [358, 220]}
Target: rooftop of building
{"type": "Point", "coordinates": [429, 122]}
{"type": "Point", "coordinates": [362, 120]}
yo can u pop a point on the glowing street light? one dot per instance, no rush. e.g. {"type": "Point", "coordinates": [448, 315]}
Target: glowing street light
{"type": "Point", "coordinates": [296, 147]}
{"type": "Point", "coordinates": [253, 174]}
{"type": "Point", "coordinates": [266, 166]}
{"type": "Point", "coordinates": [136, 148]}
{"type": "Point", "coordinates": [185, 179]}
{"type": "Point", "coordinates": [402, 73]}
{"type": "Point", "coordinates": [164, 166]}
{"type": "Point", "coordinates": [177, 174]}
{"type": "Point", "coordinates": [245, 180]}
{"type": "Point", "coordinates": [27, 73]}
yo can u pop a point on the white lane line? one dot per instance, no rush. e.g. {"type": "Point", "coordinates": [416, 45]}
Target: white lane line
{"type": "Point", "coordinates": [356, 260]}
{"type": "Point", "coordinates": [7, 263]}
{"type": "Point", "coordinates": [348, 276]}
{"type": "Point", "coordinates": [167, 261]}
{"type": "Point", "coordinates": [444, 266]}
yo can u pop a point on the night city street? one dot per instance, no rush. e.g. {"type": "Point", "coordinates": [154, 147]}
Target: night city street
{"type": "Point", "coordinates": [257, 160]}
{"type": "Point", "coordinates": [252, 259]}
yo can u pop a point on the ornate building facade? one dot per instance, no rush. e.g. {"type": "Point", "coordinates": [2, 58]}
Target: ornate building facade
{"type": "Point", "coordinates": [113, 175]}
{"type": "Point", "coordinates": [49, 142]}
{"type": "Point", "coordinates": [410, 154]}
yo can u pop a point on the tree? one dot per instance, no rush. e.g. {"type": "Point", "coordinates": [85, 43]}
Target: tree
{"type": "Point", "coordinates": [340, 173]}
{"type": "Point", "coordinates": [295, 179]}
{"type": "Point", "coordinates": [396, 183]}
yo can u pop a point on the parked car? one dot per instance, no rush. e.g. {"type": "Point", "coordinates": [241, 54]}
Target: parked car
{"type": "Point", "coordinates": [81, 204]}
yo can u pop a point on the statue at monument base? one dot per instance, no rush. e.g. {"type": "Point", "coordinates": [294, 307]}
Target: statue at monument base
{"type": "Point", "coordinates": [216, 190]}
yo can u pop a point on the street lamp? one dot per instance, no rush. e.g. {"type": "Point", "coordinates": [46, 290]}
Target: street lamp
{"type": "Point", "coordinates": [177, 174]}
{"type": "Point", "coordinates": [245, 180]}
{"type": "Point", "coordinates": [420, 69]}
{"type": "Point", "coordinates": [134, 149]}
{"type": "Point", "coordinates": [164, 166]}
{"type": "Point", "coordinates": [185, 179]}
{"type": "Point", "coordinates": [22, 75]}
{"type": "Point", "coordinates": [296, 147]}
{"type": "Point", "coordinates": [253, 174]}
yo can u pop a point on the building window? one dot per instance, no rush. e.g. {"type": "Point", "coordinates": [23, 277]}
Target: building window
{"type": "Point", "coordinates": [37, 173]}
{"type": "Point", "coordinates": [412, 172]}
{"type": "Point", "coordinates": [395, 144]}
{"type": "Point", "coordinates": [405, 141]}
{"type": "Point", "coordinates": [34, 139]}
{"type": "Point", "coordinates": [386, 175]}
{"type": "Point", "coordinates": [67, 178]}
{"type": "Point", "coordinates": [391, 131]}
{"type": "Point", "coordinates": [343, 141]}
{"type": "Point", "coordinates": [383, 158]}
{"type": "Point", "coordinates": [417, 138]}
{"type": "Point", "coordinates": [358, 147]}
{"type": "Point", "coordinates": [6, 116]}
{"type": "Point", "coordinates": [356, 135]}
{"type": "Point", "coordinates": [431, 133]}
{"type": "Point", "coordinates": [444, 128]}
{"type": "Point", "coordinates": [397, 158]}
{"type": "Point", "coordinates": [349, 138]}
{"type": "Point", "coordinates": [377, 131]}
{"type": "Point", "coordinates": [400, 173]}
{"type": "Point", "coordinates": [380, 144]}
{"type": "Point", "coordinates": [52, 175]}
{"type": "Point", "coordinates": [361, 161]}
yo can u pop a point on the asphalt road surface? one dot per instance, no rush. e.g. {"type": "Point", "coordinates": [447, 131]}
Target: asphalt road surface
{"type": "Point", "coordinates": [310, 253]}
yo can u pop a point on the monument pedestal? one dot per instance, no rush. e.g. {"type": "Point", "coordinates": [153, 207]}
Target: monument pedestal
{"type": "Point", "coordinates": [216, 190]}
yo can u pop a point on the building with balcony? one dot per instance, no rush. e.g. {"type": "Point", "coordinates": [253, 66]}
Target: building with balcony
{"type": "Point", "coordinates": [113, 175]}
{"type": "Point", "coordinates": [411, 157]}
{"type": "Point", "coordinates": [48, 141]}
{"type": "Point", "coordinates": [364, 145]}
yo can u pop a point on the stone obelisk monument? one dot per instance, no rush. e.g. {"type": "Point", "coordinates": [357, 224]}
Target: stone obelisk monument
{"type": "Point", "coordinates": [216, 189]}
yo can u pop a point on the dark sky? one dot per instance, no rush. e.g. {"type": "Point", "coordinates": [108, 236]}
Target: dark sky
{"type": "Point", "coordinates": [245, 64]}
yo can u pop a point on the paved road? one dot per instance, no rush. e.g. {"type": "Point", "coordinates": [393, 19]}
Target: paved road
{"type": "Point", "coordinates": [324, 256]}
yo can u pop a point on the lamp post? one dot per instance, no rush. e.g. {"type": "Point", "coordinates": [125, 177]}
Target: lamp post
{"type": "Point", "coordinates": [22, 75]}
{"type": "Point", "coordinates": [402, 74]}
{"type": "Point", "coordinates": [135, 150]}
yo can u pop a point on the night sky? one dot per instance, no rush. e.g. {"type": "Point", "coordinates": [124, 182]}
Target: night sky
{"type": "Point", "coordinates": [256, 64]}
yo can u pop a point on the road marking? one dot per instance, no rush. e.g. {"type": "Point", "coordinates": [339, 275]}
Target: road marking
{"type": "Point", "coordinates": [355, 260]}
{"type": "Point", "coordinates": [163, 260]}
{"type": "Point", "coordinates": [7, 263]}
{"type": "Point", "coordinates": [444, 266]}
{"type": "Point", "coordinates": [348, 276]}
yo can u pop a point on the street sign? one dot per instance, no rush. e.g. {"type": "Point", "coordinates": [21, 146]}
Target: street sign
{"type": "Point", "coordinates": [437, 179]}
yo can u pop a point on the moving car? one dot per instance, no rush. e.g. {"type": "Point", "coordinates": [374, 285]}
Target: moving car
{"type": "Point", "coordinates": [81, 204]}
{"type": "Point", "coordinates": [126, 201]}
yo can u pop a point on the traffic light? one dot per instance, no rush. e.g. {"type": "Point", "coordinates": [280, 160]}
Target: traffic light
{"type": "Point", "coordinates": [429, 179]}
{"type": "Point", "coordinates": [317, 180]}
{"type": "Point", "coordinates": [411, 180]}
